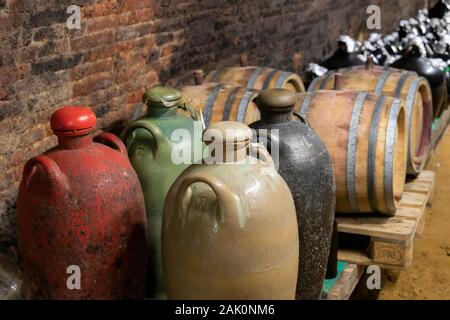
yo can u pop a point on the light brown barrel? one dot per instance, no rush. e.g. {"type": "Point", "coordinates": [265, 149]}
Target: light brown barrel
{"type": "Point", "coordinates": [220, 102]}
{"type": "Point", "coordinates": [366, 137]}
{"type": "Point", "coordinates": [258, 78]}
{"type": "Point", "coordinates": [414, 90]}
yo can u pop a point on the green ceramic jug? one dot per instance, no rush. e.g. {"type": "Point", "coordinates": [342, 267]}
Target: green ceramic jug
{"type": "Point", "coordinates": [160, 145]}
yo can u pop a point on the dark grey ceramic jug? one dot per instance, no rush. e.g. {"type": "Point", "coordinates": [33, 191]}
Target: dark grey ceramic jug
{"type": "Point", "coordinates": [413, 61]}
{"type": "Point", "coordinates": [342, 57]}
{"type": "Point", "coordinates": [304, 163]}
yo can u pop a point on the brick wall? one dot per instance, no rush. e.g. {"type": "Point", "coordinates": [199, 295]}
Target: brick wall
{"type": "Point", "coordinates": [125, 46]}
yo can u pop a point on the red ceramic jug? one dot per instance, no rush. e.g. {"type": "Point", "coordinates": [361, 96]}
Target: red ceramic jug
{"type": "Point", "coordinates": [80, 216]}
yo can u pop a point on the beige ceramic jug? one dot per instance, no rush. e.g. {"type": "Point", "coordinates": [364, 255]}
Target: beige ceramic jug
{"type": "Point", "coordinates": [229, 225]}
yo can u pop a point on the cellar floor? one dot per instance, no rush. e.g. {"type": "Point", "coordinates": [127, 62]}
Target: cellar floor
{"type": "Point", "coordinates": [429, 277]}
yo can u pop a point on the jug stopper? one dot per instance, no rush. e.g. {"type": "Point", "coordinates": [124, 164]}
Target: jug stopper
{"type": "Point", "coordinates": [228, 132]}
{"type": "Point", "coordinates": [73, 121]}
{"type": "Point", "coordinates": [162, 97]}
{"type": "Point", "coordinates": [276, 100]}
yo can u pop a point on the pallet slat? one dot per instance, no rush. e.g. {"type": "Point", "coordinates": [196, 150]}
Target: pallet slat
{"type": "Point", "coordinates": [392, 228]}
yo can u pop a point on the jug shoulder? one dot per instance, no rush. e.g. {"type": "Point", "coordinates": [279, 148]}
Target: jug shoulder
{"type": "Point", "coordinates": [95, 158]}
{"type": "Point", "coordinates": [294, 137]}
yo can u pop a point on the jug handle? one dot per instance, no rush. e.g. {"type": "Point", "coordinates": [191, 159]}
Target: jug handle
{"type": "Point", "coordinates": [57, 179]}
{"type": "Point", "coordinates": [112, 141]}
{"type": "Point", "coordinates": [302, 118]}
{"type": "Point", "coordinates": [154, 130]}
{"type": "Point", "coordinates": [229, 204]}
{"type": "Point", "coordinates": [186, 106]}
{"type": "Point", "coordinates": [271, 140]}
{"type": "Point", "coordinates": [262, 151]}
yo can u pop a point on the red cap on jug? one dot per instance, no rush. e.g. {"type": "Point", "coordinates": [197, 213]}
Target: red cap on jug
{"type": "Point", "coordinates": [73, 121]}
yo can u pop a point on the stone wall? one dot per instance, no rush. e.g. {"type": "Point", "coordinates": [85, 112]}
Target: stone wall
{"type": "Point", "coordinates": [125, 46]}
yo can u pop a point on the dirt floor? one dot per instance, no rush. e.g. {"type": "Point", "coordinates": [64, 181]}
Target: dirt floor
{"type": "Point", "coordinates": [429, 277]}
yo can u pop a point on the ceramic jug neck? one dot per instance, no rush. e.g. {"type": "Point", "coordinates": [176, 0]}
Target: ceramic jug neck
{"type": "Point", "coordinates": [271, 117]}
{"type": "Point", "coordinates": [74, 142]}
{"type": "Point", "coordinates": [162, 112]}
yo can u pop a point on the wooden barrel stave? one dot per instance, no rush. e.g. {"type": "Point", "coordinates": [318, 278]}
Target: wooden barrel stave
{"type": "Point", "coordinates": [258, 78]}
{"type": "Point", "coordinates": [402, 84]}
{"type": "Point", "coordinates": [221, 102]}
{"type": "Point", "coordinates": [367, 143]}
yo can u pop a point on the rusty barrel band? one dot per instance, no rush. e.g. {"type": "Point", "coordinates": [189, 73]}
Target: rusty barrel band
{"type": "Point", "coordinates": [244, 104]}
{"type": "Point", "coordinates": [306, 103]}
{"type": "Point", "coordinates": [351, 151]}
{"type": "Point", "coordinates": [400, 84]}
{"type": "Point", "coordinates": [229, 104]}
{"type": "Point", "coordinates": [281, 79]}
{"type": "Point", "coordinates": [389, 155]}
{"type": "Point", "coordinates": [210, 103]}
{"type": "Point", "coordinates": [213, 75]}
{"type": "Point", "coordinates": [255, 74]}
{"type": "Point", "coordinates": [268, 79]}
{"type": "Point", "coordinates": [372, 154]}
{"type": "Point", "coordinates": [325, 79]}
{"type": "Point", "coordinates": [382, 81]}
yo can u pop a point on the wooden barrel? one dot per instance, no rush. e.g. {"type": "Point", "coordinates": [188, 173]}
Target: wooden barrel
{"type": "Point", "coordinates": [367, 140]}
{"type": "Point", "coordinates": [415, 91]}
{"type": "Point", "coordinates": [258, 78]}
{"type": "Point", "coordinates": [221, 102]}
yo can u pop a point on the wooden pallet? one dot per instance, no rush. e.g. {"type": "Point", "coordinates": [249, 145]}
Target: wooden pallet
{"type": "Point", "coordinates": [342, 287]}
{"type": "Point", "coordinates": [387, 241]}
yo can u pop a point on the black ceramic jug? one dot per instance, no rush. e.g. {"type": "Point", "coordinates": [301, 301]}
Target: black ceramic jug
{"type": "Point", "coordinates": [413, 61]}
{"type": "Point", "coordinates": [342, 58]}
{"type": "Point", "coordinates": [445, 57]}
{"type": "Point", "coordinates": [304, 163]}
{"type": "Point", "coordinates": [439, 9]}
